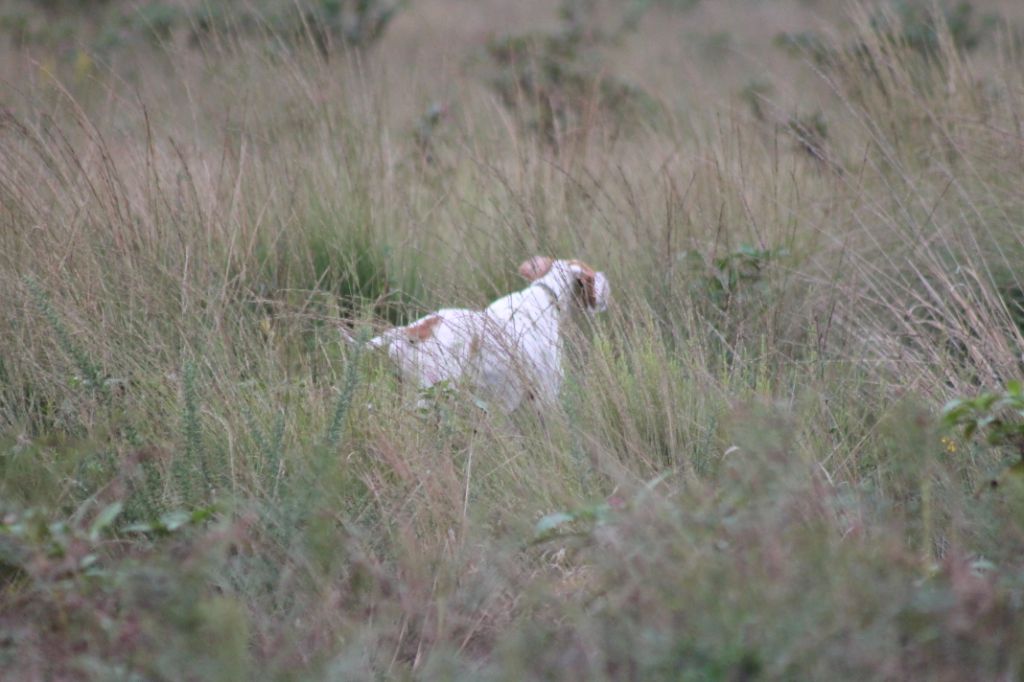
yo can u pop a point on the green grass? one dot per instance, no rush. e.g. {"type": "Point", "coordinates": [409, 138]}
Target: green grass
{"type": "Point", "coordinates": [748, 475]}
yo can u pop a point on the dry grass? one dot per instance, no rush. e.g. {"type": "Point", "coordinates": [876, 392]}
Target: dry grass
{"type": "Point", "coordinates": [747, 455]}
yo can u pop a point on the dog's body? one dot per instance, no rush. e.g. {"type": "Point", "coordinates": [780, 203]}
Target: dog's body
{"type": "Point", "coordinates": [512, 349]}
{"type": "Point", "coordinates": [439, 347]}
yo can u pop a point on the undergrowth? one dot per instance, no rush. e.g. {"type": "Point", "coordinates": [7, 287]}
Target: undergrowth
{"type": "Point", "coordinates": [789, 450]}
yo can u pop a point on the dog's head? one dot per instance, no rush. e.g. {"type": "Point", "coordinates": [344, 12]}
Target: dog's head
{"type": "Point", "coordinates": [587, 287]}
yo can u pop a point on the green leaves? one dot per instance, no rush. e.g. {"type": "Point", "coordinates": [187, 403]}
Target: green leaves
{"type": "Point", "coordinates": [104, 520]}
{"type": "Point", "coordinates": [590, 515]}
{"type": "Point", "coordinates": [172, 521]}
{"type": "Point", "coordinates": [914, 25]}
{"type": "Point", "coordinates": [999, 416]}
{"type": "Point", "coordinates": [550, 522]}
{"type": "Point", "coordinates": [723, 279]}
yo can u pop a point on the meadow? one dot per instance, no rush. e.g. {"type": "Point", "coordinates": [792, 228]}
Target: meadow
{"type": "Point", "coordinates": [790, 450]}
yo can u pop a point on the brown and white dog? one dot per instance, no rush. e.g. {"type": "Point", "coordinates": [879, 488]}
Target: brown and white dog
{"type": "Point", "coordinates": [510, 350]}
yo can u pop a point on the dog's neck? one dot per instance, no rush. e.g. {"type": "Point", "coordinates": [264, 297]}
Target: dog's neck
{"type": "Point", "coordinates": [553, 297]}
{"type": "Point", "coordinates": [556, 286]}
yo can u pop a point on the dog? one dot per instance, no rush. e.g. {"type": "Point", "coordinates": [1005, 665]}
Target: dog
{"type": "Point", "coordinates": [510, 351]}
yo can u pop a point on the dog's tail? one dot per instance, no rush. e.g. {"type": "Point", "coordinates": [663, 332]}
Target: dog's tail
{"type": "Point", "coordinates": [361, 336]}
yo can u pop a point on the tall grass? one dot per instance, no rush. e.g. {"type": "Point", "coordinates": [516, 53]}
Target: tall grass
{"type": "Point", "coordinates": [745, 477]}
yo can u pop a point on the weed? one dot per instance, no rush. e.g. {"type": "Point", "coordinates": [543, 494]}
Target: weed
{"type": "Point", "coordinates": [91, 374]}
{"type": "Point", "coordinates": [344, 401]}
{"type": "Point", "coordinates": [193, 462]}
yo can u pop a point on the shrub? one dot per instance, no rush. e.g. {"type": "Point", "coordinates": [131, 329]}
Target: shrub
{"type": "Point", "coordinates": [555, 81]}
{"type": "Point", "coordinates": [911, 24]}
{"type": "Point", "coordinates": [331, 25]}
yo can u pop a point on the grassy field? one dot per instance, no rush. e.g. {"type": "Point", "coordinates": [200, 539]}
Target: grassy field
{"type": "Point", "coordinates": [812, 217]}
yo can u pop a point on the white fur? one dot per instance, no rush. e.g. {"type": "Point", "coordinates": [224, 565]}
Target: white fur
{"type": "Point", "coordinates": [444, 356]}
{"type": "Point", "coordinates": [509, 351]}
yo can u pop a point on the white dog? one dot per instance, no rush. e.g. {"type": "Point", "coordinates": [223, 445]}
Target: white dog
{"type": "Point", "coordinates": [512, 349]}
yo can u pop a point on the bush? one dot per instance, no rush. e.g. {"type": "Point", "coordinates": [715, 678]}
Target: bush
{"type": "Point", "coordinates": [910, 24]}
{"type": "Point", "coordinates": [331, 25]}
{"type": "Point", "coordinates": [554, 81]}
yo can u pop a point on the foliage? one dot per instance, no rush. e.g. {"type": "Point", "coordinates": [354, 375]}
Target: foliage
{"type": "Point", "coordinates": [732, 288]}
{"type": "Point", "coordinates": [329, 25]}
{"type": "Point", "coordinates": [85, 585]}
{"type": "Point", "coordinates": [744, 478]}
{"type": "Point", "coordinates": [344, 402]}
{"type": "Point", "coordinates": [918, 26]}
{"type": "Point", "coordinates": [922, 36]}
{"type": "Point", "coordinates": [556, 80]}
{"type": "Point", "coordinates": [590, 517]}
{"type": "Point", "coordinates": [90, 372]}
{"type": "Point", "coordinates": [998, 416]}
{"type": "Point", "coordinates": [914, 25]}
{"type": "Point", "coordinates": [743, 267]}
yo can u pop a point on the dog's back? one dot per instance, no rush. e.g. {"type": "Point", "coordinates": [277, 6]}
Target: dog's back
{"type": "Point", "coordinates": [434, 348]}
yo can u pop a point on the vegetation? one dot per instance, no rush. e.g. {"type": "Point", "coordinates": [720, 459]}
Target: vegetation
{"type": "Point", "coordinates": [774, 455]}
{"type": "Point", "coordinates": [328, 25]}
{"type": "Point", "coordinates": [555, 80]}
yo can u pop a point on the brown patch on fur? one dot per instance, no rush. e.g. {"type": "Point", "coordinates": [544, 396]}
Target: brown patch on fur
{"type": "Point", "coordinates": [422, 331]}
{"type": "Point", "coordinates": [587, 283]}
{"type": "Point", "coordinates": [536, 267]}
{"type": "Point", "coordinates": [589, 289]}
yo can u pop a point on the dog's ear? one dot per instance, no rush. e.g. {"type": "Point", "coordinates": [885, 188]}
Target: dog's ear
{"type": "Point", "coordinates": [586, 281]}
{"type": "Point", "coordinates": [591, 286]}
{"type": "Point", "coordinates": [536, 267]}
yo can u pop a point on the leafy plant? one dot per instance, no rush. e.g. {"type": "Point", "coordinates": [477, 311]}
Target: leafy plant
{"type": "Point", "coordinates": [915, 24]}
{"type": "Point", "coordinates": [348, 388]}
{"type": "Point", "coordinates": [327, 23]}
{"type": "Point", "coordinates": [577, 522]}
{"type": "Point", "coordinates": [725, 278]}
{"type": "Point", "coordinates": [554, 80]}
{"type": "Point", "coordinates": [358, 23]}
{"type": "Point", "coordinates": [33, 545]}
{"type": "Point", "coordinates": [172, 521]}
{"type": "Point", "coordinates": [90, 371]}
{"type": "Point", "coordinates": [997, 416]}
{"type": "Point", "coordinates": [192, 464]}
{"type": "Point", "coordinates": [107, 587]}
